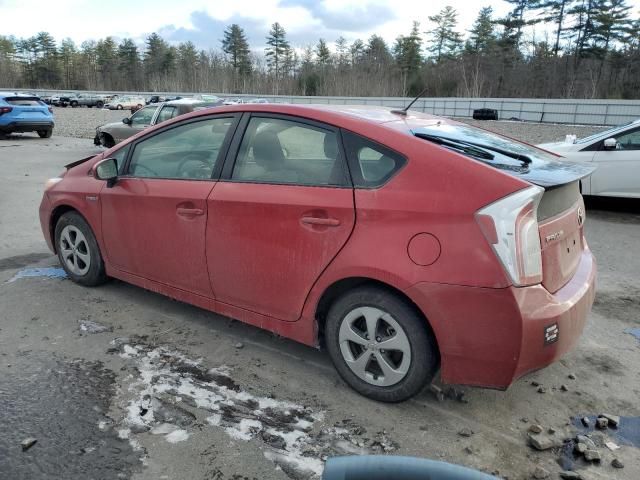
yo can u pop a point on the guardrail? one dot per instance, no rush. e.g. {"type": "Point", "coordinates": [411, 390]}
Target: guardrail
{"type": "Point", "coordinates": [581, 112]}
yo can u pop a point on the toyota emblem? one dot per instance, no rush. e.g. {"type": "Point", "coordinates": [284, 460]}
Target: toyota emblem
{"type": "Point", "coordinates": [580, 216]}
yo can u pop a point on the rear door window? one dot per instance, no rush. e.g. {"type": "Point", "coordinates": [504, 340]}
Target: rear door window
{"type": "Point", "coordinates": [371, 164]}
{"type": "Point", "coordinates": [282, 151]}
{"type": "Point", "coordinates": [167, 113]}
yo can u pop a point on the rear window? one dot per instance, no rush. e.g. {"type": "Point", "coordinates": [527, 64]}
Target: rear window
{"type": "Point", "coordinates": [24, 101]}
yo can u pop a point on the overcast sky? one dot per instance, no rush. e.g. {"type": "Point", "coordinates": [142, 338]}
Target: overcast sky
{"type": "Point", "coordinates": [203, 21]}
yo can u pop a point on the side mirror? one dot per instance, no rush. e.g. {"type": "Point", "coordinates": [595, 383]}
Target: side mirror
{"type": "Point", "coordinates": [107, 170]}
{"type": "Point", "coordinates": [610, 144]}
{"type": "Point", "coordinates": [126, 121]}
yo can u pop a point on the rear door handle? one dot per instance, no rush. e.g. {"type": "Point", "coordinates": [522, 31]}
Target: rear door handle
{"type": "Point", "coordinates": [189, 212]}
{"type": "Point", "coordinates": [329, 222]}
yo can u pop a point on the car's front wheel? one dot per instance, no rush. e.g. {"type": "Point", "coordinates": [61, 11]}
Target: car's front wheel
{"type": "Point", "coordinates": [119, 107]}
{"type": "Point", "coordinates": [380, 345]}
{"type": "Point", "coordinates": [78, 250]}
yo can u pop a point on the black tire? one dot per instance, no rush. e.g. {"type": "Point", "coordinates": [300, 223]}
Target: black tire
{"type": "Point", "coordinates": [74, 104]}
{"type": "Point", "coordinates": [45, 133]}
{"type": "Point", "coordinates": [107, 140]}
{"type": "Point", "coordinates": [100, 104]}
{"type": "Point", "coordinates": [119, 107]}
{"type": "Point", "coordinates": [424, 353]}
{"type": "Point", "coordinates": [96, 273]}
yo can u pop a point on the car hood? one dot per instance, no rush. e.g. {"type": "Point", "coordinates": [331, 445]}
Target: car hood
{"type": "Point", "coordinates": [109, 126]}
{"type": "Point", "coordinates": [560, 147]}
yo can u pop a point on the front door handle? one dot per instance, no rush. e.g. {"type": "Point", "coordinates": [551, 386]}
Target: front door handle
{"type": "Point", "coordinates": [327, 222]}
{"type": "Point", "coordinates": [189, 212]}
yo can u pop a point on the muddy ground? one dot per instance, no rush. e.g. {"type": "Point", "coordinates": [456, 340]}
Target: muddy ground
{"type": "Point", "coordinates": [117, 382]}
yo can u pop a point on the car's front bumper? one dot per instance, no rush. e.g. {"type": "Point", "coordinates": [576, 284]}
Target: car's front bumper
{"type": "Point", "coordinates": [45, 221]}
{"type": "Point", "coordinates": [26, 126]}
{"type": "Point", "coordinates": [491, 337]}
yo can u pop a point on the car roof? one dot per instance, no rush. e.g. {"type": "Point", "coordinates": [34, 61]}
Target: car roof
{"type": "Point", "coordinates": [340, 115]}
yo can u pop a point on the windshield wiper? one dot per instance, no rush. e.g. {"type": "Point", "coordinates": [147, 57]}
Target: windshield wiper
{"type": "Point", "coordinates": [464, 147]}
{"type": "Point", "coordinates": [481, 147]}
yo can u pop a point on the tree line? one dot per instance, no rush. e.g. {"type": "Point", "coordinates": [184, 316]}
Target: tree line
{"type": "Point", "coordinates": [542, 48]}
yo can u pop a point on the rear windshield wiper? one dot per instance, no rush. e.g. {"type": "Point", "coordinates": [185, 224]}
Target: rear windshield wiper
{"type": "Point", "coordinates": [441, 141]}
{"type": "Point", "coordinates": [461, 146]}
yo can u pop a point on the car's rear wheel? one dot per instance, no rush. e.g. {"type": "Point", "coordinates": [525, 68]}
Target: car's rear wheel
{"type": "Point", "coordinates": [45, 133]}
{"type": "Point", "coordinates": [100, 104]}
{"type": "Point", "coordinates": [380, 344]}
{"type": "Point", "coordinates": [74, 104]}
{"type": "Point", "coordinates": [78, 250]}
{"type": "Point", "coordinates": [119, 107]}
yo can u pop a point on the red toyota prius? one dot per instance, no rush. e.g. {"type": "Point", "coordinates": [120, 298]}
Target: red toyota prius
{"type": "Point", "coordinates": [399, 241]}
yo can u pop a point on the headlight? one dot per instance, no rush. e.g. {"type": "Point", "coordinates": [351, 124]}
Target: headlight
{"type": "Point", "coordinates": [51, 182]}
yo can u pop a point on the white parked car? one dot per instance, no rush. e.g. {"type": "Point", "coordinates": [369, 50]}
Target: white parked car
{"type": "Point", "coordinates": [615, 153]}
{"type": "Point", "coordinates": [120, 103]}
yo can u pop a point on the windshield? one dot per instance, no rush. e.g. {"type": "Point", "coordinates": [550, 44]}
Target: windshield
{"type": "Point", "coordinates": [607, 133]}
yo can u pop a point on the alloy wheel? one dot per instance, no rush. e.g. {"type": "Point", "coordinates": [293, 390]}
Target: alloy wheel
{"type": "Point", "coordinates": [74, 250]}
{"type": "Point", "coordinates": [374, 346]}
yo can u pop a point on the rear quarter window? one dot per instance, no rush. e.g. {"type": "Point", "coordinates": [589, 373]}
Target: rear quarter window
{"type": "Point", "coordinates": [371, 163]}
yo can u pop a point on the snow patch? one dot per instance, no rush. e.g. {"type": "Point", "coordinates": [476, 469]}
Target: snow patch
{"type": "Point", "coordinates": [177, 436]}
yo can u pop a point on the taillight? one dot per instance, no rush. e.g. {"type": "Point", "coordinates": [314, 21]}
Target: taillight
{"type": "Point", "coordinates": [510, 225]}
{"type": "Point", "coordinates": [4, 110]}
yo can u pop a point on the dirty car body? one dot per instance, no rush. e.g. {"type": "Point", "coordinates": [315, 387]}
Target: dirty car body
{"type": "Point", "coordinates": [401, 243]}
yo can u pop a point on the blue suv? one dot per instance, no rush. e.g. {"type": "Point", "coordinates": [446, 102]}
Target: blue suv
{"type": "Point", "coordinates": [25, 113]}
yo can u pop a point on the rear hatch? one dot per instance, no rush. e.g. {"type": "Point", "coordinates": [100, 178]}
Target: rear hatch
{"type": "Point", "coordinates": [560, 213]}
{"type": "Point", "coordinates": [28, 109]}
{"type": "Point", "coordinates": [561, 217]}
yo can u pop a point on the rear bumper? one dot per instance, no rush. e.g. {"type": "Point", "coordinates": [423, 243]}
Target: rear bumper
{"type": "Point", "coordinates": [491, 337]}
{"type": "Point", "coordinates": [28, 126]}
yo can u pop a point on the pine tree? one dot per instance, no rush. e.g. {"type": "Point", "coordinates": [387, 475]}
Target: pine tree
{"type": "Point", "coordinates": [323, 54]}
{"type": "Point", "coordinates": [482, 34]}
{"type": "Point", "coordinates": [342, 52]}
{"type": "Point", "coordinates": [129, 64]}
{"type": "Point", "coordinates": [556, 11]}
{"type": "Point", "coordinates": [356, 51]}
{"type": "Point", "coordinates": [67, 55]}
{"type": "Point", "coordinates": [276, 50]}
{"type": "Point", "coordinates": [446, 41]}
{"type": "Point", "coordinates": [236, 46]}
{"type": "Point", "coordinates": [406, 51]}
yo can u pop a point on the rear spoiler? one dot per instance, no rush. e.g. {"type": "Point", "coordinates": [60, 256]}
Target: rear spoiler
{"type": "Point", "coordinates": [78, 162]}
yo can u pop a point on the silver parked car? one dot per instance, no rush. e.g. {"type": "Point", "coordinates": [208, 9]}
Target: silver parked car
{"type": "Point", "coordinates": [111, 133]}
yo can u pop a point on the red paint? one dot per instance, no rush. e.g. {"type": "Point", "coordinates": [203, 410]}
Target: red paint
{"type": "Point", "coordinates": [265, 254]}
{"type": "Point", "coordinates": [424, 249]}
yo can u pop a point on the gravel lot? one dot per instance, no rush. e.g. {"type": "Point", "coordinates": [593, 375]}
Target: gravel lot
{"type": "Point", "coordinates": [82, 123]}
